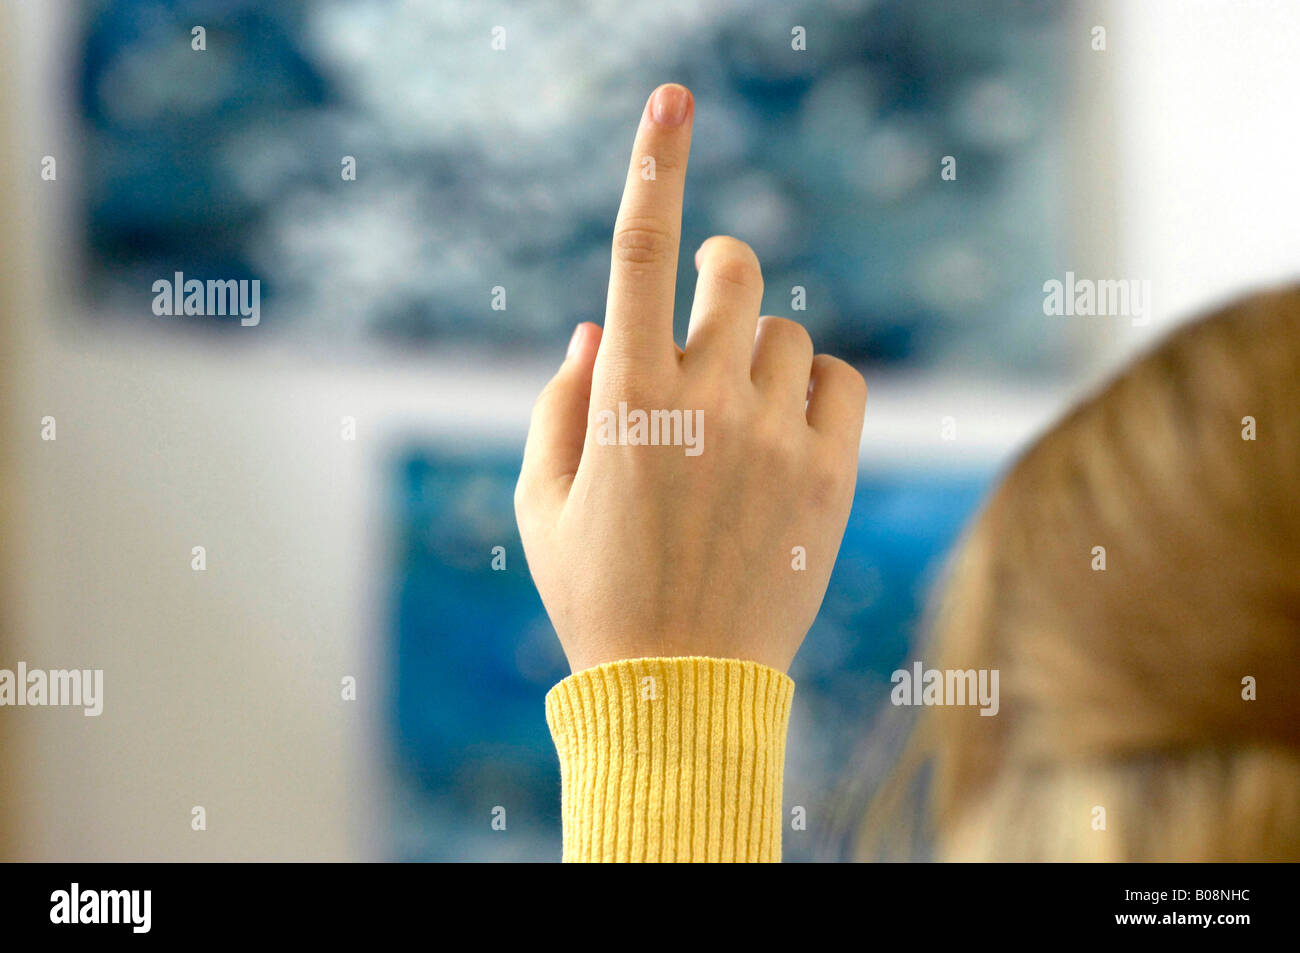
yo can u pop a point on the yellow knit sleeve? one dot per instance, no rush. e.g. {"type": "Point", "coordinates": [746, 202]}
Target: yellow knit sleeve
{"type": "Point", "coordinates": [671, 759]}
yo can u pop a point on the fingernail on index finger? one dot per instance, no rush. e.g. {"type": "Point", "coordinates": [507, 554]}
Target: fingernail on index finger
{"type": "Point", "coordinates": [669, 104]}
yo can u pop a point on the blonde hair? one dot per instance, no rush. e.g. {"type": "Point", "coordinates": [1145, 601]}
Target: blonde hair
{"type": "Point", "coordinates": [1126, 730]}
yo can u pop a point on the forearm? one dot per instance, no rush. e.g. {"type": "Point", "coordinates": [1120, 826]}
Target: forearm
{"type": "Point", "coordinates": [671, 760]}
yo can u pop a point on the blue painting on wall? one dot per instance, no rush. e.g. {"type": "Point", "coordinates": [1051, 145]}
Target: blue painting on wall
{"type": "Point", "coordinates": [473, 653]}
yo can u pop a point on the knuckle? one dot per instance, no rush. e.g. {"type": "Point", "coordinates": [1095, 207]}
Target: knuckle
{"type": "Point", "coordinates": [842, 373]}
{"type": "Point", "coordinates": [724, 406]}
{"type": "Point", "coordinates": [774, 442]}
{"type": "Point", "coordinates": [853, 378]}
{"type": "Point", "coordinates": [829, 479]}
{"type": "Point", "coordinates": [548, 394]}
{"type": "Point", "coordinates": [548, 391]}
{"type": "Point", "coordinates": [539, 409]}
{"type": "Point", "coordinates": [522, 499]}
{"type": "Point", "coordinates": [641, 242]}
{"type": "Point", "coordinates": [786, 331]}
{"type": "Point", "coordinates": [733, 262]}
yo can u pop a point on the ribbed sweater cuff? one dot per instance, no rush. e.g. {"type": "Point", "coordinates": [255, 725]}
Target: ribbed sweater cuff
{"type": "Point", "coordinates": [671, 759]}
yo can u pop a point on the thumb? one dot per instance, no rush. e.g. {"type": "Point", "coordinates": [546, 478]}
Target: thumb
{"type": "Point", "coordinates": [558, 428]}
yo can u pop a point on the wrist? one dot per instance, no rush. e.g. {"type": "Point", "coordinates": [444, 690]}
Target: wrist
{"type": "Point", "coordinates": [607, 653]}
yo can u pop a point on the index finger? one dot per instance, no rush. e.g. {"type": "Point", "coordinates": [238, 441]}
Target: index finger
{"type": "Point", "coordinates": [647, 233]}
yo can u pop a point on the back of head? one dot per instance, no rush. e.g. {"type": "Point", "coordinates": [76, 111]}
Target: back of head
{"type": "Point", "coordinates": [1135, 581]}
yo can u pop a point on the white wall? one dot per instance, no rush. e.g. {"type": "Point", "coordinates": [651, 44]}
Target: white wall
{"type": "Point", "coordinates": [1207, 140]}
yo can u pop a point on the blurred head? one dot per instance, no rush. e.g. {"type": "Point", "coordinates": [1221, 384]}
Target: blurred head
{"type": "Point", "coordinates": [1126, 691]}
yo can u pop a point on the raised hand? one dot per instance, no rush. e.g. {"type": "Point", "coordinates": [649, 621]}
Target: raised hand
{"type": "Point", "coordinates": [686, 502]}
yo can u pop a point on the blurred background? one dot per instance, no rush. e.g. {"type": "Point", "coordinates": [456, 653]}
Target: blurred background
{"type": "Point", "coordinates": [348, 463]}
